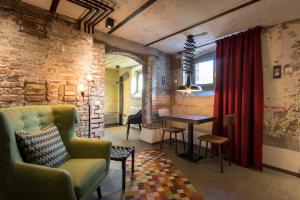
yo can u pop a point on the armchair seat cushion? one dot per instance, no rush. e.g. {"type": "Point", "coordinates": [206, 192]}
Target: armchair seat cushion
{"type": "Point", "coordinates": [85, 173]}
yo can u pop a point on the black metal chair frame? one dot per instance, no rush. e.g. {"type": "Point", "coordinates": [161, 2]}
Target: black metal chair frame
{"type": "Point", "coordinates": [165, 129]}
{"type": "Point", "coordinates": [134, 119]}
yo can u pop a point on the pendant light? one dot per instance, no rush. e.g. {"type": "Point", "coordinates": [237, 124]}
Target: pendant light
{"type": "Point", "coordinates": [188, 67]}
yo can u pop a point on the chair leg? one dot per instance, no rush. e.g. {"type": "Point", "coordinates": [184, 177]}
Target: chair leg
{"type": "Point", "coordinates": [132, 160]}
{"type": "Point", "coordinates": [170, 140]}
{"type": "Point", "coordinates": [183, 140]}
{"type": "Point", "coordinates": [199, 151]}
{"type": "Point", "coordinates": [99, 193]}
{"type": "Point", "coordinates": [162, 140]}
{"type": "Point", "coordinates": [221, 157]}
{"type": "Point", "coordinates": [228, 153]}
{"type": "Point", "coordinates": [140, 127]}
{"type": "Point", "coordinates": [127, 133]}
{"type": "Point", "coordinates": [206, 149]}
{"type": "Point", "coordinates": [176, 143]}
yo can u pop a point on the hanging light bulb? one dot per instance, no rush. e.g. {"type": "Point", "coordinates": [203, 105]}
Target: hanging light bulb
{"type": "Point", "coordinates": [89, 77]}
{"type": "Point", "coordinates": [81, 87]}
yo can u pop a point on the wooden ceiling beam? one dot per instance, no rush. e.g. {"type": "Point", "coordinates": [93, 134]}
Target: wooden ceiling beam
{"type": "Point", "coordinates": [54, 6]}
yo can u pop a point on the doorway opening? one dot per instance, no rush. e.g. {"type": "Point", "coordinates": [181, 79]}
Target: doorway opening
{"type": "Point", "coordinates": [123, 93]}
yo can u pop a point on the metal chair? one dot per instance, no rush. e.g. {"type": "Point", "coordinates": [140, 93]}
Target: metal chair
{"type": "Point", "coordinates": [134, 119]}
{"type": "Point", "coordinates": [170, 130]}
{"type": "Point", "coordinates": [229, 122]}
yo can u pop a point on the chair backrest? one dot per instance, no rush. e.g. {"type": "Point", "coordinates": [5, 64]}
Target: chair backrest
{"type": "Point", "coordinates": [229, 121]}
{"type": "Point", "coordinates": [32, 118]}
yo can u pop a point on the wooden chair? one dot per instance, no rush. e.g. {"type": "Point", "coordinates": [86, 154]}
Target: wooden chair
{"type": "Point", "coordinates": [229, 121]}
{"type": "Point", "coordinates": [170, 130]}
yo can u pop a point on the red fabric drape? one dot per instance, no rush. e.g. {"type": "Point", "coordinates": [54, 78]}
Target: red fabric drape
{"type": "Point", "coordinates": [239, 91]}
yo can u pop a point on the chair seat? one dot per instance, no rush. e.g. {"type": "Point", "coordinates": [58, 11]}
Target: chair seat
{"type": "Point", "coordinates": [213, 139]}
{"type": "Point", "coordinates": [173, 129]}
{"type": "Point", "coordinates": [85, 173]}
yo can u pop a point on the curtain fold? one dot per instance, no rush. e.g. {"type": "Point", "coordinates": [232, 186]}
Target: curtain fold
{"type": "Point", "coordinates": [239, 91]}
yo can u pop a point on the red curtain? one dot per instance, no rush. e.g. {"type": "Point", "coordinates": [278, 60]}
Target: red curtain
{"type": "Point", "coordinates": [239, 91]}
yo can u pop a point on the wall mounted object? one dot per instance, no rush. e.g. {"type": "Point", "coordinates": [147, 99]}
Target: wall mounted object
{"type": "Point", "coordinates": [277, 71]}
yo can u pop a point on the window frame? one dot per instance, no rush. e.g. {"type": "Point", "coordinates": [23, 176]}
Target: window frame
{"type": "Point", "coordinates": [135, 74]}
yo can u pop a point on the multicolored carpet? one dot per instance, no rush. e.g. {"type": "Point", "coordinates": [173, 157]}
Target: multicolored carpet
{"type": "Point", "coordinates": [156, 178]}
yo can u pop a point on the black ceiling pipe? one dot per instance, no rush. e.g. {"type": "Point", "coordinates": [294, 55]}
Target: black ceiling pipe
{"type": "Point", "coordinates": [87, 14]}
{"type": "Point", "coordinates": [97, 22]}
{"type": "Point", "coordinates": [92, 21]}
{"type": "Point", "coordinates": [96, 17]}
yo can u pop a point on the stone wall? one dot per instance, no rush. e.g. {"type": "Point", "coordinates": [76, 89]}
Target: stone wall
{"type": "Point", "coordinates": [48, 70]}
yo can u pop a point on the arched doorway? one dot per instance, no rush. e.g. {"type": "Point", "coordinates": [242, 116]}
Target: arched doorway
{"type": "Point", "coordinates": [123, 92]}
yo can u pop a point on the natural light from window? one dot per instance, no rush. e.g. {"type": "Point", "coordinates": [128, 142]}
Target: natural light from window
{"type": "Point", "coordinates": [137, 82]}
{"type": "Point", "coordinates": [204, 72]}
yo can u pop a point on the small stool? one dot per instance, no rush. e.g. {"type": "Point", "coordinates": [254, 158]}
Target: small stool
{"type": "Point", "coordinates": [121, 153]}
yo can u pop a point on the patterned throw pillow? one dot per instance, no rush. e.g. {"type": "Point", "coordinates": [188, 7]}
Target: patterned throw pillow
{"type": "Point", "coordinates": [43, 147]}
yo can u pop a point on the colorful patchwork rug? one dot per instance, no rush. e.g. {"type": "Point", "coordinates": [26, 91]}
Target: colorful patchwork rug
{"type": "Point", "coordinates": [156, 178]}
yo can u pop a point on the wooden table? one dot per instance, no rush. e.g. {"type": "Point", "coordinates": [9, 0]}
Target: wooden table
{"type": "Point", "coordinates": [191, 120]}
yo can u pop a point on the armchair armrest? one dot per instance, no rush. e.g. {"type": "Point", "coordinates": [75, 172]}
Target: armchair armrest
{"type": "Point", "coordinates": [90, 148]}
{"type": "Point", "coordinates": [37, 182]}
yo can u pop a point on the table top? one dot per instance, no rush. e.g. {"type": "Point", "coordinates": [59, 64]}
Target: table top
{"type": "Point", "coordinates": [191, 119]}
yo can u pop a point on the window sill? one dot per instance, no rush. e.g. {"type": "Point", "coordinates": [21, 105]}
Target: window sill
{"type": "Point", "coordinates": [206, 93]}
{"type": "Point", "coordinates": [136, 95]}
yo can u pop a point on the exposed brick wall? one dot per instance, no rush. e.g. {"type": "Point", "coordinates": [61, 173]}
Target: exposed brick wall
{"type": "Point", "coordinates": [48, 70]}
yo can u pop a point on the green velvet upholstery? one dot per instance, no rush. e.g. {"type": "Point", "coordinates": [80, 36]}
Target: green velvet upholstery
{"type": "Point", "coordinates": [75, 179]}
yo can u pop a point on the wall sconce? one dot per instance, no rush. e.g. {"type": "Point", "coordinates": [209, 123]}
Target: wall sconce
{"type": "Point", "coordinates": [81, 89]}
{"type": "Point", "coordinates": [89, 77]}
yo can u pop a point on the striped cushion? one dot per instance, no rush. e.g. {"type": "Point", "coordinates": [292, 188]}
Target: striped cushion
{"type": "Point", "coordinates": [43, 147]}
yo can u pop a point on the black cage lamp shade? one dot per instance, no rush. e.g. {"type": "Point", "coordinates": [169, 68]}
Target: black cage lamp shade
{"type": "Point", "coordinates": [188, 67]}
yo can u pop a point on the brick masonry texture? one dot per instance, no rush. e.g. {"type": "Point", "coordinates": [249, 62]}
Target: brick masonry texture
{"type": "Point", "coordinates": [48, 70]}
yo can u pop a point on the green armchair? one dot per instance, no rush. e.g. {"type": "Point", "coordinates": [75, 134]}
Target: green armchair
{"type": "Point", "coordinates": [76, 179]}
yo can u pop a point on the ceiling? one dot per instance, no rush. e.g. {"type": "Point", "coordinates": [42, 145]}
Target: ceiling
{"type": "Point", "coordinates": [112, 60]}
{"type": "Point", "coordinates": [165, 17]}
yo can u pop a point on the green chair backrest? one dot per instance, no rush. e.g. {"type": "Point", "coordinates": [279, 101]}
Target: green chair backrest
{"type": "Point", "coordinates": [32, 118]}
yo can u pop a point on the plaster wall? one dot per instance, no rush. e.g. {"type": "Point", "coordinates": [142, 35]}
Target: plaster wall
{"type": "Point", "coordinates": [111, 98]}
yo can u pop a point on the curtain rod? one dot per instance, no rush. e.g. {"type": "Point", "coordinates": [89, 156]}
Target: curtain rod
{"type": "Point", "coordinates": [215, 40]}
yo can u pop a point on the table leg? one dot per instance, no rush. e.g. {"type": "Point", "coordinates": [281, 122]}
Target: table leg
{"type": "Point", "coordinates": [123, 173]}
{"type": "Point", "coordinates": [132, 160]}
{"type": "Point", "coordinates": [189, 155]}
{"type": "Point", "coordinates": [191, 139]}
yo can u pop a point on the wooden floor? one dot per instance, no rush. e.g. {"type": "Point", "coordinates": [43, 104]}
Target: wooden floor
{"type": "Point", "coordinates": [236, 183]}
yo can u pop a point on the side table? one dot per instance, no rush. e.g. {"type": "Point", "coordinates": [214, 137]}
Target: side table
{"type": "Point", "coordinates": [121, 153]}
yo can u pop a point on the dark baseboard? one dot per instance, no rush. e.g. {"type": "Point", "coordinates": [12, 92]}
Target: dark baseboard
{"type": "Point", "coordinates": [282, 170]}
{"type": "Point", "coordinates": [111, 125]}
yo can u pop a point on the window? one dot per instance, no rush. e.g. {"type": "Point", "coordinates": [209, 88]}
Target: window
{"type": "Point", "coordinates": [204, 72]}
{"type": "Point", "coordinates": [136, 83]}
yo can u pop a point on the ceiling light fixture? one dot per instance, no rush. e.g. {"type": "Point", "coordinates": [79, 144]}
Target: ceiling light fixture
{"type": "Point", "coordinates": [109, 23]}
{"type": "Point", "coordinates": [188, 67]}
